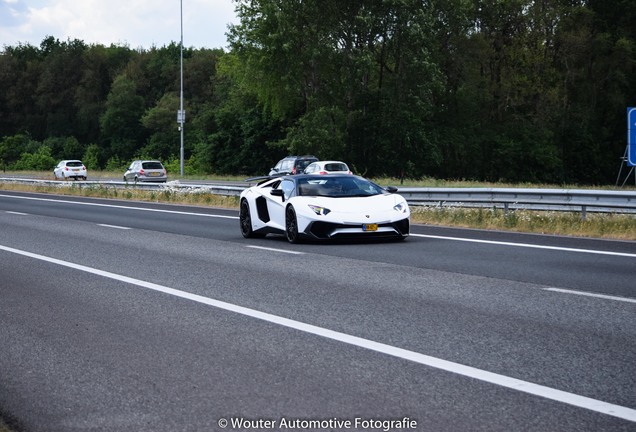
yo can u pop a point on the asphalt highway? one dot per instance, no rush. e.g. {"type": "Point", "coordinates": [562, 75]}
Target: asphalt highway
{"type": "Point", "coordinates": [129, 316]}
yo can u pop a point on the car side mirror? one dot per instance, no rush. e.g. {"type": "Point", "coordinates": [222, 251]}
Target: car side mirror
{"type": "Point", "coordinates": [278, 193]}
{"type": "Point", "coordinates": [391, 189]}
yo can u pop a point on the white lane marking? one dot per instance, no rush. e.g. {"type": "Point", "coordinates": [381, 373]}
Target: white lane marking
{"type": "Point", "coordinates": [276, 250]}
{"type": "Point", "coordinates": [121, 207]}
{"type": "Point", "coordinates": [456, 368]}
{"type": "Point", "coordinates": [17, 213]}
{"type": "Point", "coordinates": [529, 245]}
{"type": "Point", "coordinates": [589, 294]}
{"type": "Point", "coordinates": [114, 226]}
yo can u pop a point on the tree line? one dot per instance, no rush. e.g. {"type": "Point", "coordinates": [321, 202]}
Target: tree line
{"type": "Point", "coordinates": [490, 90]}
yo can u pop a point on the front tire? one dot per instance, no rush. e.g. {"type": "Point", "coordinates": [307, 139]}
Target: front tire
{"type": "Point", "coordinates": [245, 219]}
{"type": "Point", "coordinates": [291, 226]}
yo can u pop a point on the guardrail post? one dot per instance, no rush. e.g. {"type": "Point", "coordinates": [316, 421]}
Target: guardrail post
{"type": "Point", "coordinates": [583, 212]}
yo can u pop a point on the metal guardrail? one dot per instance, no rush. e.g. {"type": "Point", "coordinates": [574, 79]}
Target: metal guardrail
{"type": "Point", "coordinates": [572, 200]}
{"type": "Point", "coordinates": [226, 190]}
{"type": "Point", "coordinates": [577, 200]}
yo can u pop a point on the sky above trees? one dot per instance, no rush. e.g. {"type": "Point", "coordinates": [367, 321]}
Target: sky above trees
{"type": "Point", "coordinates": [143, 23]}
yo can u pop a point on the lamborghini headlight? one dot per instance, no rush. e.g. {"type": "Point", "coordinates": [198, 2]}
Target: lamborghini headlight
{"type": "Point", "coordinates": [401, 207]}
{"type": "Point", "coordinates": [320, 211]}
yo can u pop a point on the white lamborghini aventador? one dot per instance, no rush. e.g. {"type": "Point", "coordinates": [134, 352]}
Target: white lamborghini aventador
{"type": "Point", "coordinates": [322, 207]}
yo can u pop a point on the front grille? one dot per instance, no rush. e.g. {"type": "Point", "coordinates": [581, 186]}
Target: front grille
{"type": "Point", "coordinates": [322, 230]}
{"type": "Point", "coordinates": [402, 226]}
{"type": "Point", "coordinates": [326, 230]}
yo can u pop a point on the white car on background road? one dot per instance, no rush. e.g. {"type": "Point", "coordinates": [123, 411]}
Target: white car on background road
{"type": "Point", "coordinates": [70, 169]}
{"type": "Point", "coordinates": [327, 167]}
{"type": "Point", "coordinates": [323, 207]}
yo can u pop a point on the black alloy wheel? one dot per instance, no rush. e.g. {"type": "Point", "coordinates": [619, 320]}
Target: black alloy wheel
{"type": "Point", "coordinates": [291, 225]}
{"type": "Point", "coordinates": [245, 219]}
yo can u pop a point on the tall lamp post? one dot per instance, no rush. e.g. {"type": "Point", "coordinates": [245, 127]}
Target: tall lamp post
{"type": "Point", "coordinates": [181, 113]}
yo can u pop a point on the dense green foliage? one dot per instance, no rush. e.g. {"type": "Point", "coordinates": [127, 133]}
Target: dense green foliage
{"type": "Point", "coordinates": [513, 90]}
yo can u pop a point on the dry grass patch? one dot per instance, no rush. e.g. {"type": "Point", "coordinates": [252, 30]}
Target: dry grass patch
{"type": "Point", "coordinates": [163, 195]}
{"type": "Point", "coordinates": [612, 226]}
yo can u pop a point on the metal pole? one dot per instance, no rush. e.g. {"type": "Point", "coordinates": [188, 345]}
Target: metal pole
{"type": "Point", "coordinates": [623, 161]}
{"type": "Point", "coordinates": [182, 116]}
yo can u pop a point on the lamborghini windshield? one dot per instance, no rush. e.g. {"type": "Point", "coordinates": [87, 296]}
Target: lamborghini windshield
{"type": "Point", "coordinates": [338, 186]}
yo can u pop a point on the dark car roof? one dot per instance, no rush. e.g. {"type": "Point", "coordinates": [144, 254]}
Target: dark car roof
{"type": "Point", "coordinates": [301, 157]}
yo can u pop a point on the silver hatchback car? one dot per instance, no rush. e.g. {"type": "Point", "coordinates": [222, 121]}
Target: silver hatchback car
{"type": "Point", "coordinates": [146, 171]}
